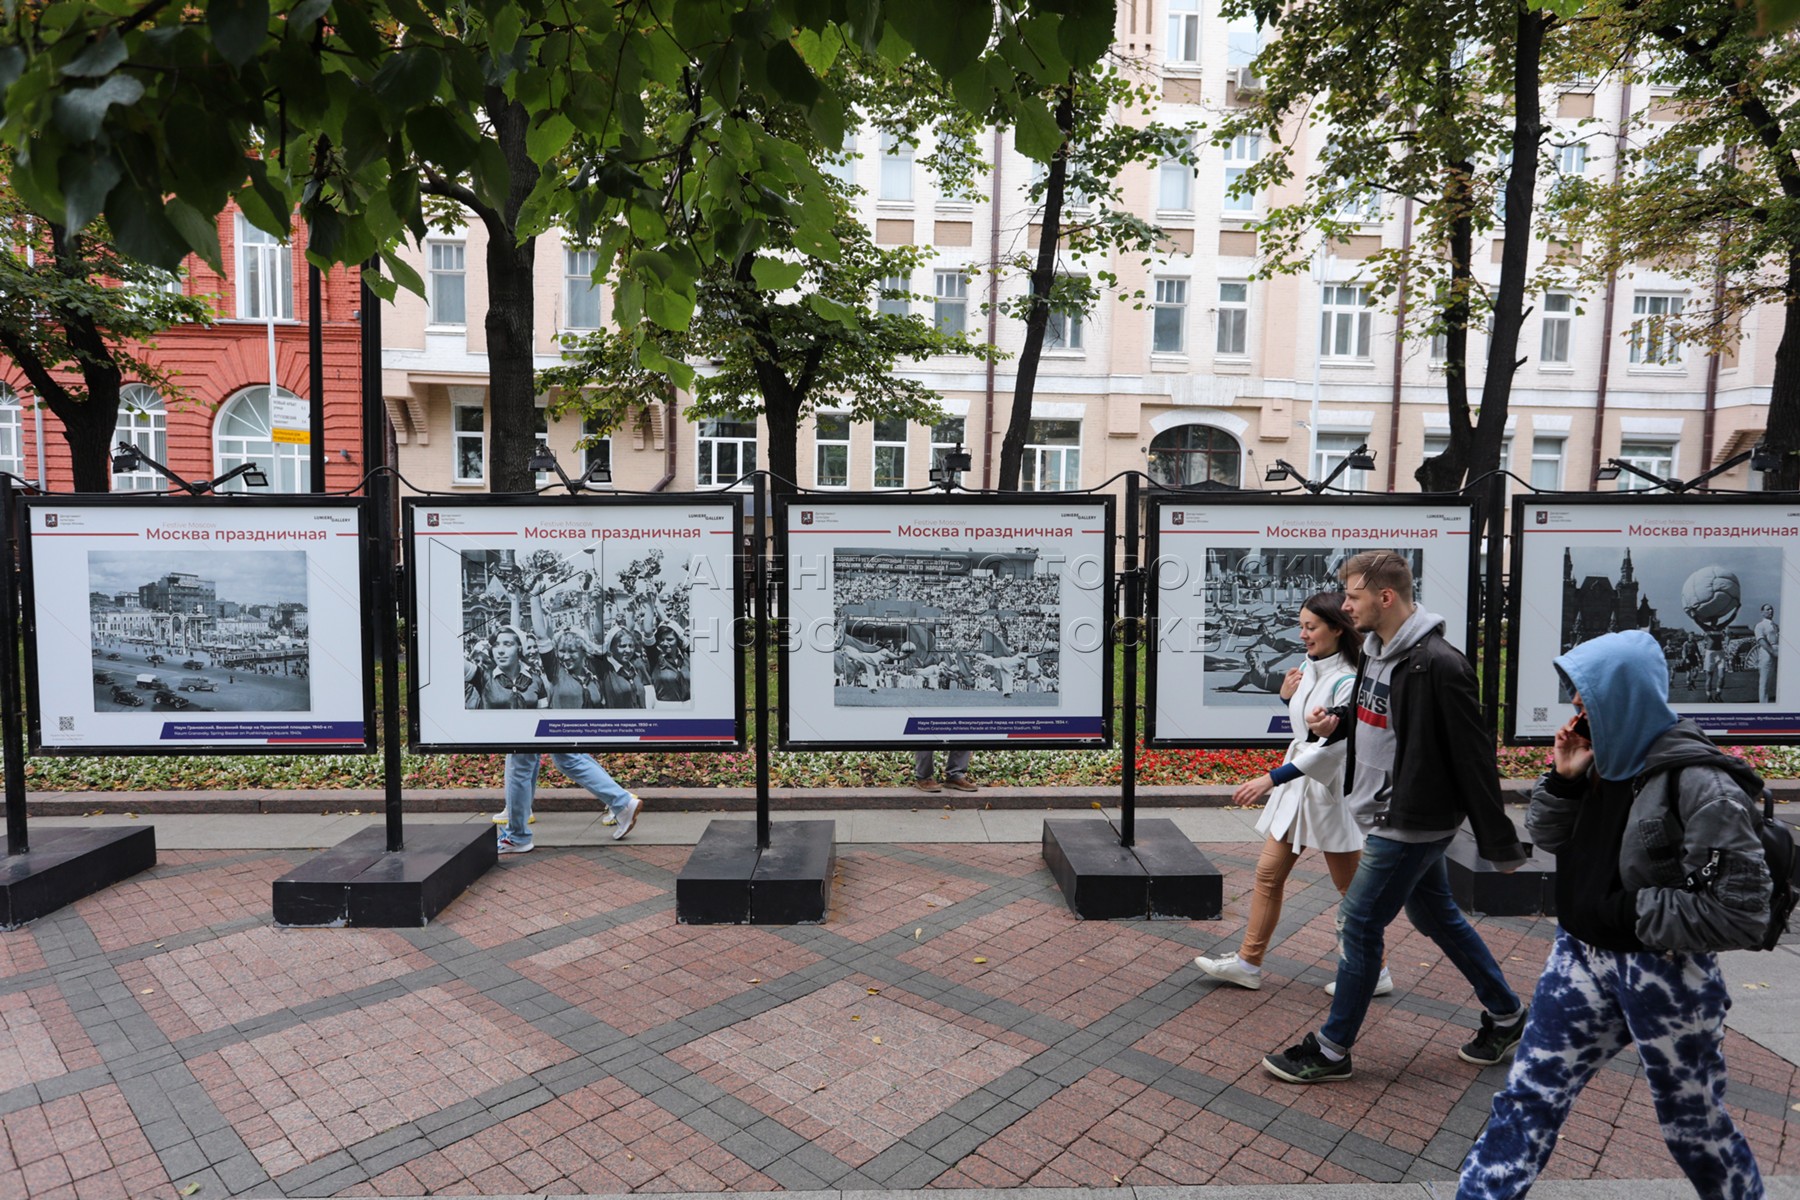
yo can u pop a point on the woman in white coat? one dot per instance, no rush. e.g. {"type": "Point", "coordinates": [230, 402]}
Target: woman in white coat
{"type": "Point", "coordinates": [1305, 794]}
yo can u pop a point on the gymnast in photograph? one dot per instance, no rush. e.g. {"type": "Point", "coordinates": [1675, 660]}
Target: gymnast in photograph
{"type": "Point", "coordinates": [1253, 601]}
{"type": "Point", "coordinates": [946, 628]}
{"type": "Point", "coordinates": [576, 629]}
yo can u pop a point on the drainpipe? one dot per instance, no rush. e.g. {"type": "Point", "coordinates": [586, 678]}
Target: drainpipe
{"type": "Point", "coordinates": [1612, 291]}
{"type": "Point", "coordinates": [993, 329]}
{"type": "Point", "coordinates": [1406, 226]}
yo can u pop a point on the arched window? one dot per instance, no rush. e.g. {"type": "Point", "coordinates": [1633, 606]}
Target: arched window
{"type": "Point", "coordinates": [243, 433]}
{"type": "Point", "coordinates": [142, 423]}
{"type": "Point", "coordinates": [12, 443]}
{"type": "Point", "coordinates": [1189, 454]}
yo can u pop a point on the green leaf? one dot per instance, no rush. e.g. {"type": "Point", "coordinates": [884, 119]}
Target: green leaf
{"type": "Point", "coordinates": [1039, 138]}
{"type": "Point", "coordinates": [544, 142]}
{"type": "Point", "coordinates": [403, 273]}
{"type": "Point", "coordinates": [440, 138]}
{"type": "Point", "coordinates": [87, 175]}
{"type": "Point", "coordinates": [831, 310]}
{"type": "Point", "coordinates": [654, 263]}
{"type": "Point", "coordinates": [80, 112]}
{"type": "Point", "coordinates": [409, 79]}
{"type": "Point", "coordinates": [773, 275]}
{"type": "Point", "coordinates": [948, 34]}
{"type": "Point", "coordinates": [672, 310]}
{"type": "Point", "coordinates": [789, 75]}
{"type": "Point", "coordinates": [1086, 33]}
{"type": "Point", "coordinates": [239, 28]}
{"type": "Point", "coordinates": [12, 65]}
{"type": "Point", "coordinates": [1568, 9]}
{"type": "Point", "coordinates": [141, 231]}
{"type": "Point", "coordinates": [98, 59]}
{"type": "Point", "coordinates": [200, 232]}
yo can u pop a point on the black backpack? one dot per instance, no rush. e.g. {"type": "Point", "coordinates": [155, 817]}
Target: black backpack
{"type": "Point", "coordinates": [1778, 850]}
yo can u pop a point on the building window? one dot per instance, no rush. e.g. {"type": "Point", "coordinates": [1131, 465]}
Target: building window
{"type": "Point", "coordinates": [1559, 316]}
{"type": "Point", "coordinates": [1234, 318]}
{"type": "Point", "coordinates": [1653, 339]}
{"type": "Point", "coordinates": [896, 297]}
{"type": "Point", "coordinates": [842, 165]}
{"type": "Point", "coordinates": [244, 433]}
{"type": "Point", "coordinates": [1052, 457]}
{"type": "Point", "coordinates": [1571, 159]}
{"type": "Point", "coordinates": [1241, 154]}
{"type": "Point", "coordinates": [1184, 32]}
{"type": "Point", "coordinates": [946, 436]}
{"type": "Point", "coordinates": [1345, 322]}
{"type": "Point", "coordinates": [1547, 463]}
{"type": "Point", "coordinates": [1334, 448]}
{"type": "Point", "coordinates": [1063, 331]}
{"type": "Point", "coordinates": [1175, 184]}
{"type": "Point", "coordinates": [1437, 443]}
{"type": "Point", "coordinates": [1168, 324]}
{"type": "Point", "coordinates": [1189, 454]}
{"type": "Point", "coordinates": [1658, 458]}
{"type": "Point", "coordinates": [581, 298]}
{"type": "Point", "coordinates": [12, 443]}
{"type": "Point", "coordinates": [890, 453]}
{"type": "Point", "coordinates": [727, 451]}
{"type": "Point", "coordinates": [468, 443]}
{"type": "Point", "coordinates": [597, 452]}
{"type": "Point", "coordinates": [896, 169]}
{"type": "Point", "coordinates": [444, 286]}
{"type": "Point", "coordinates": [1243, 42]}
{"type": "Point", "coordinates": [144, 423]}
{"type": "Point", "coordinates": [540, 427]}
{"type": "Point", "coordinates": [831, 450]}
{"type": "Point", "coordinates": [950, 310]}
{"type": "Point", "coordinates": [265, 275]}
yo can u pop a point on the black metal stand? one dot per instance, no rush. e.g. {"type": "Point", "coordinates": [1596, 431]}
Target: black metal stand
{"type": "Point", "coordinates": [1147, 871]}
{"type": "Point", "coordinates": [374, 878]}
{"type": "Point", "coordinates": [66, 864]}
{"type": "Point", "coordinates": [759, 874]}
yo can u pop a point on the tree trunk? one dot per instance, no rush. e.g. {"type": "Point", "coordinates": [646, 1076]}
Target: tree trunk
{"type": "Point", "coordinates": [1444, 473]}
{"type": "Point", "coordinates": [88, 427]}
{"type": "Point", "coordinates": [1782, 433]}
{"type": "Point", "coordinates": [1037, 321]}
{"type": "Point", "coordinates": [781, 414]}
{"type": "Point", "coordinates": [511, 329]}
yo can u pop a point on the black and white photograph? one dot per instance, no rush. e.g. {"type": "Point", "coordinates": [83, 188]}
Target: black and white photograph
{"type": "Point", "coordinates": [575, 623]}
{"type": "Point", "coordinates": [1715, 579]}
{"type": "Point", "coordinates": [1227, 584]}
{"type": "Point", "coordinates": [227, 633]}
{"type": "Point", "coordinates": [1250, 634]}
{"type": "Point", "coordinates": [946, 628]}
{"type": "Point", "coordinates": [595, 628]}
{"type": "Point", "coordinates": [944, 621]}
{"type": "Point", "coordinates": [1712, 609]}
{"type": "Point", "coordinates": [198, 625]}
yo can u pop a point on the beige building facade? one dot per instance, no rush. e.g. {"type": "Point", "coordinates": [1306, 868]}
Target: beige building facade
{"type": "Point", "coordinates": [1213, 374]}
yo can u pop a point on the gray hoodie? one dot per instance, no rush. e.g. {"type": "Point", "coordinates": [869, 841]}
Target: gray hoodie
{"type": "Point", "coordinates": [1370, 792]}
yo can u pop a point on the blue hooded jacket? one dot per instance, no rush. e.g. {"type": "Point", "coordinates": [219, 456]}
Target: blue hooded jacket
{"type": "Point", "coordinates": [1623, 679]}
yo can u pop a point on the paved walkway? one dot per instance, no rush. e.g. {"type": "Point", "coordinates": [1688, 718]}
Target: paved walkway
{"type": "Point", "coordinates": [951, 1026]}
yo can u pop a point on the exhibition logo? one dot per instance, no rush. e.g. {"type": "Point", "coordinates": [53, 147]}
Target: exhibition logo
{"type": "Point", "coordinates": [1543, 517]}
{"type": "Point", "coordinates": [431, 519]}
{"type": "Point", "coordinates": [50, 520]}
{"type": "Point", "coordinates": [806, 516]}
{"type": "Point", "coordinates": [1178, 518]}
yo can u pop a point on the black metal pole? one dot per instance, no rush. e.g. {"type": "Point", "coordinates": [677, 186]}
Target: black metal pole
{"type": "Point", "coordinates": [315, 374]}
{"type": "Point", "coordinates": [1493, 609]}
{"type": "Point", "coordinates": [387, 615]}
{"type": "Point", "coordinates": [1128, 639]}
{"type": "Point", "coordinates": [759, 613]}
{"type": "Point", "coordinates": [10, 726]}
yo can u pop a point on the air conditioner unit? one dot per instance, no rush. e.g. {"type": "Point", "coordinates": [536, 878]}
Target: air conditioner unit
{"type": "Point", "coordinates": [1244, 79]}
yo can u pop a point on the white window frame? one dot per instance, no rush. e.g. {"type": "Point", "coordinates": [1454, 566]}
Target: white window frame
{"type": "Point", "coordinates": [453, 274]}
{"type": "Point", "coordinates": [244, 432]}
{"type": "Point", "coordinates": [1065, 333]}
{"type": "Point", "coordinates": [1346, 323]}
{"type": "Point", "coordinates": [601, 450]}
{"type": "Point", "coordinates": [579, 288]}
{"type": "Point", "coordinates": [891, 448]}
{"type": "Point", "coordinates": [896, 170]}
{"type": "Point", "coordinates": [1181, 45]}
{"type": "Point", "coordinates": [1056, 463]}
{"type": "Point", "coordinates": [461, 437]}
{"type": "Point", "coordinates": [841, 165]}
{"type": "Point", "coordinates": [1232, 337]}
{"type": "Point", "coordinates": [144, 423]}
{"type": "Point", "coordinates": [540, 428]}
{"type": "Point", "coordinates": [1659, 456]}
{"type": "Point", "coordinates": [1241, 153]}
{"type": "Point", "coordinates": [950, 294]}
{"type": "Point", "coordinates": [260, 256]}
{"type": "Point", "coordinates": [1333, 447]}
{"type": "Point", "coordinates": [822, 444]}
{"type": "Point", "coordinates": [12, 432]}
{"type": "Point", "coordinates": [1550, 479]}
{"type": "Point", "coordinates": [940, 447]}
{"type": "Point", "coordinates": [707, 446]}
{"type": "Point", "coordinates": [1170, 295]}
{"type": "Point", "coordinates": [1571, 159]}
{"type": "Point", "coordinates": [1175, 185]}
{"type": "Point", "coordinates": [900, 306]}
{"type": "Point", "coordinates": [1652, 344]}
{"type": "Point", "coordinates": [1556, 336]}
{"type": "Point", "coordinates": [1438, 441]}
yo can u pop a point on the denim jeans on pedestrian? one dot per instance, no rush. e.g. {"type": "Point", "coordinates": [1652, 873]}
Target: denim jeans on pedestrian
{"type": "Point", "coordinates": [1391, 876]}
{"type": "Point", "coordinates": [956, 764]}
{"type": "Point", "coordinates": [582, 770]}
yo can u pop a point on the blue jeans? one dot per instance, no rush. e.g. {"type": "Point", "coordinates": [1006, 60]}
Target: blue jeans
{"type": "Point", "coordinates": [521, 786]}
{"type": "Point", "coordinates": [1391, 876]}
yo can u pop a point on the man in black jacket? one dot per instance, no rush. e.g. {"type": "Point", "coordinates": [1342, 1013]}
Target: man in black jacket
{"type": "Point", "coordinates": [1420, 762]}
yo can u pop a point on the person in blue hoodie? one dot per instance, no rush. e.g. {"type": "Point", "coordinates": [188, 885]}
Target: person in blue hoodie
{"type": "Point", "coordinates": [1658, 865]}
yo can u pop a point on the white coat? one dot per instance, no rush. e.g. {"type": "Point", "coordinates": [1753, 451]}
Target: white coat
{"type": "Point", "coordinates": [1310, 811]}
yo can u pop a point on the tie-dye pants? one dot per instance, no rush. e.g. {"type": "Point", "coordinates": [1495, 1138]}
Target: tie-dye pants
{"type": "Point", "coordinates": [1590, 1004]}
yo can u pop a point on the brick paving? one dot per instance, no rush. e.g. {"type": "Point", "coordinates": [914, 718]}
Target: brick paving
{"type": "Point", "coordinates": [951, 1026]}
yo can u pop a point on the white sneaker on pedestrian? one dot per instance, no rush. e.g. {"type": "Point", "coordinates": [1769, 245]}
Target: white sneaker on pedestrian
{"type": "Point", "coordinates": [628, 818]}
{"type": "Point", "coordinates": [1231, 969]}
{"type": "Point", "coordinates": [1383, 985]}
{"type": "Point", "coordinates": [607, 818]}
{"type": "Point", "coordinates": [500, 818]}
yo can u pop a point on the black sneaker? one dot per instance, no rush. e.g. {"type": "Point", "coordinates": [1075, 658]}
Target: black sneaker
{"type": "Point", "coordinates": [1496, 1042]}
{"type": "Point", "coordinates": [1306, 1063]}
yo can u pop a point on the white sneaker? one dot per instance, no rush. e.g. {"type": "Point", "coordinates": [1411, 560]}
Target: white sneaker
{"type": "Point", "coordinates": [500, 818]}
{"type": "Point", "coordinates": [1230, 970]}
{"type": "Point", "coordinates": [628, 818]}
{"type": "Point", "coordinates": [1383, 985]}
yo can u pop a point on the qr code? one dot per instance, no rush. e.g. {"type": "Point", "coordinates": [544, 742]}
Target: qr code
{"type": "Point", "coordinates": [66, 724]}
{"type": "Point", "coordinates": [1540, 714]}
